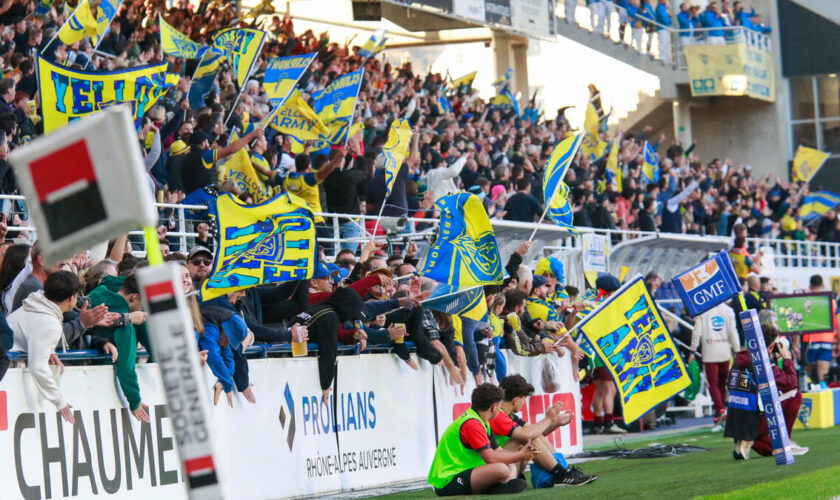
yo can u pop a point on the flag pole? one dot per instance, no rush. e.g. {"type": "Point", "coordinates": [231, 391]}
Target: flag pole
{"type": "Point", "coordinates": [548, 204]}
{"type": "Point", "coordinates": [59, 29]}
{"type": "Point", "coordinates": [108, 28]}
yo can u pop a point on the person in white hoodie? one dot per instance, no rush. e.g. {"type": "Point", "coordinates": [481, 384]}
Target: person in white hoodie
{"type": "Point", "coordinates": [37, 330]}
{"type": "Point", "coordinates": [439, 179]}
{"type": "Point", "coordinates": [716, 333]}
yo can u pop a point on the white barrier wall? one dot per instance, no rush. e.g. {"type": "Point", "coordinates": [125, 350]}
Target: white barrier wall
{"type": "Point", "coordinates": [382, 430]}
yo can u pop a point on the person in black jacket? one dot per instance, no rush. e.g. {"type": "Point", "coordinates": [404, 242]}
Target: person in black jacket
{"type": "Point", "coordinates": [323, 320]}
{"type": "Point", "coordinates": [646, 221]}
{"type": "Point", "coordinates": [267, 309]}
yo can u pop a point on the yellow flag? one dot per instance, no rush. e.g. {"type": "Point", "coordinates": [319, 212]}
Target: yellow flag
{"type": "Point", "coordinates": [271, 242]}
{"type": "Point", "coordinates": [68, 94]}
{"type": "Point", "coordinates": [241, 47]}
{"type": "Point", "coordinates": [806, 162]}
{"type": "Point", "coordinates": [296, 118]}
{"type": "Point", "coordinates": [395, 149]}
{"type": "Point", "coordinates": [238, 168]}
{"type": "Point", "coordinates": [80, 24]}
{"type": "Point", "coordinates": [612, 162]}
{"type": "Point", "coordinates": [463, 84]}
{"type": "Point", "coordinates": [629, 335]}
{"type": "Point", "coordinates": [175, 43]}
{"type": "Point", "coordinates": [593, 145]}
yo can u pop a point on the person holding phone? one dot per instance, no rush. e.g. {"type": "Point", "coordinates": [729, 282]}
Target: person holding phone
{"type": "Point", "coordinates": [512, 433]}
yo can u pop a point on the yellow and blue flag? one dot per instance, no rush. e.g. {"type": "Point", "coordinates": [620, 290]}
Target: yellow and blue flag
{"type": "Point", "coordinates": [177, 44]}
{"type": "Point", "coordinates": [503, 81]}
{"type": "Point", "coordinates": [81, 23]}
{"type": "Point", "coordinates": [613, 172]}
{"type": "Point", "coordinates": [43, 6]}
{"type": "Point", "coordinates": [628, 334]}
{"type": "Point", "coordinates": [650, 169]}
{"type": "Point", "coordinates": [593, 146]}
{"type": "Point", "coordinates": [203, 79]}
{"type": "Point", "coordinates": [465, 252]}
{"type": "Point", "coordinates": [443, 104]}
{"type": "Point", "coordinates": [504, 96]}
{"type": "Point", "coordinates": [282, 74]}
{"type": "Point", "coordinates": [463, 84]}
{"type": "Point", "coordinates": [555, 191]}
{"type": "Point", "coordinates": [335, 106]}
{"type": "Point", "coordinates": [806, 162]}
{"type": "Point", "coordinates": [241, 47]}
{"type": "Point", "coordinates": [107, 12]}
{"type": "Point", "coordinates": [271, 242]}
{"type": "Point", "coordinates": [69, 94]}
{"type": "Point", "coordinates": [374, 44]}
{"type": "Point", "coordinates": [817, 204]}
{"type": "Point", "coordinates": [238, 168]}
{"type": "Point", "coordinates": [395, 150]}
{"type": "Point", "coordinates": [297, 119]}
{"type": "Point", "coordinates": [468, 303]}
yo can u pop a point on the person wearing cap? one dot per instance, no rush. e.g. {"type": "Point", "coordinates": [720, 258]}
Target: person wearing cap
{"type": "Point", "coordinates": [540, 308]}
{"type": "Point", "coordinates": [199, 168]}
{"type": "Point", "coordinates": [177, 152]}
{"type": "Point", "coordinates": [200, 262]}
{"type": "Point", "coordinates": [605, 389]}
{"type": "Point", "coordinates": [322, 280]}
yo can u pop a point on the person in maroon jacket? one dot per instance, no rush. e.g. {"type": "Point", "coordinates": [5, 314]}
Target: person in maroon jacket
{"type": "Point", "coordinates": [787, 381]}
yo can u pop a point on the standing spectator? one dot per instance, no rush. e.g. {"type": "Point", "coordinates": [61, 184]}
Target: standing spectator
{"type": "Point", "coordinates": [712, 18]}
{"type": "Point", "coordinates": [663, 33]}
{"type": "Point", "coordinates": [822, 347]}
{"type": "Point", "coordinates": [687, 22]}
{"type": "Point", "coordinates": [37, 330]}
{"type": "Point", "coordinates": [440, 179]}
{"type": "Point", "coordinates": [522, 206]}
{"type": "Point", "coordinates": [716, 334]}
{"type": "Point", "coordinates": [199, 167]}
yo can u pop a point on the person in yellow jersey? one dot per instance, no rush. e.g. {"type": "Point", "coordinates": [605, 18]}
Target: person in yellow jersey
{"type": "Point", "coordinates": [469, 461]}
{"type": "Point", "coordinates": [304, 182]}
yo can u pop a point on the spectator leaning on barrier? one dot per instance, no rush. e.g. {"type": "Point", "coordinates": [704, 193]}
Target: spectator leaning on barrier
{"type": "Point", "coordinates": [224, 334]}
{"type": "Point", "coordinates": [37, 330]}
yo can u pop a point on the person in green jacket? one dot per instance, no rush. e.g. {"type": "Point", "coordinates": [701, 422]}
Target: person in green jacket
{"type": "Point", "coordinates": [468, 460]}
{"type": "Point", "coordinates": [121, 295]}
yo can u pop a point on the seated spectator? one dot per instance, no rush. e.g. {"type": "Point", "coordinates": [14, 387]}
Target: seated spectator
{"type": "Point", "coordinates": [37, 331]}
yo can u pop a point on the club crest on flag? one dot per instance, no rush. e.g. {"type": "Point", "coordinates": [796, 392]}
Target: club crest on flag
{"type": "Point", "coordinates": [627, 332]}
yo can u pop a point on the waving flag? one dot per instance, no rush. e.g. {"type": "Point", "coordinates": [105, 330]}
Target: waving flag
{"type": "Point", "coordinates": [80, 24]}
{"type": "Point", "coordinates": [68, 94]}
{"type": "Point", "coordinates": [555, 191]}
{"type": "Point", "coordinates": [463, 84]}
{"type": "Point", "coordinates": [107, 12]}
{"type": "Point", "coordinates": [241, 47]}
{"type": "Point", "coordinates": [282, 74]}
{"type": "Point", "coordinates": [593, 145]}
{"type": "Point", "coordinates": [175, 43]}
{"type": "Point", "coordinates": [443, 104]}
{"type": "Point", "coordinates": [271, 242]}
{"type": "Point", "coordinates": [465, 252]}
{"type": "Point", "coordinates": [203, 79]}
{"type": "Point", "coordinates": [628, 334]}
{"type": "Point", "coordinates": [373, 45]}
{"type": "Point", "coordinates": [469, 302]}
{"type": "Point", "coordinates": [806, 162]}
{"type": "Point", "coordinates": [650, 170]}
{"type": "Point", "coordinates": [612, 163]}
{"type": "Point", "coordinates": [395, 150]}
{"type": "Point", "coordinates": [238, 168]}
{"type": "Point", "coordinates": [335, 106]}
{"type": "Point", "coordinates": [816, 204]}
{"type": "Point", "coordinates": [297, 119]}
{"type": "Point", "coordinates": [707, 284]}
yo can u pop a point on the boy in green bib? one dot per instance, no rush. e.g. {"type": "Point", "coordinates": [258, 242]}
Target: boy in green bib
{"type": "Point", "coordinates": [468, 460]}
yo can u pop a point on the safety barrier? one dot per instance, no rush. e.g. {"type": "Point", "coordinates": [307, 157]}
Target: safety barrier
{"type": "Point", "coordinates": [373, 431]}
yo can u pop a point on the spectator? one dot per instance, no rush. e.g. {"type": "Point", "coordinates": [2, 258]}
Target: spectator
{"type": "Point", "coordinates": [522, 206]}
{"type": "Point", "coordinates": [37, 331]}
{"type": "Point", "coordinates": [224, 334]}
{"type": "Point", "coordinates": [200, 262]}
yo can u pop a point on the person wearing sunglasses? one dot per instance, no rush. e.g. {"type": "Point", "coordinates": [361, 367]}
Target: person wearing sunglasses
{"type": "Point", "coordinates": [200, 262]}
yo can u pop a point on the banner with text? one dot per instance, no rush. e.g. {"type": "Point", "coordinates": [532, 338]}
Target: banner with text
{"type": "Point", "coordinates": [733, 69]}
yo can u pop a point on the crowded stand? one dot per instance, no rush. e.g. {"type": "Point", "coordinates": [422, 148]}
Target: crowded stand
{"type": "Point", "coordinates": [368, 290]}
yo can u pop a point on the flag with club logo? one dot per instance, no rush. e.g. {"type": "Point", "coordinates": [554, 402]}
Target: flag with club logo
{"type": "Point", "coordinates": [395, 150]}
{"type": "Point", "coordinates": [465, 252]}
{"type": "Point", "coordinates": [335, 106]}
{"type": "Point", "coordinates": [68, 94]}
{"type": "Point", "coordinates": [241, 47]}
{"type": "Point", "coordinates": [650, 169]}
{"type": "Point", "coordinates": [612, 163]}
{"type": "Point", "coordinates": [282, 74]}
{"type": "Point", "coordinates": [373, 45]}
{"type": "Point", "coordinates": [817, 204]}
{"type": "Point", "coordinates": [177, 44]}
{"type": "Point", "coordinates": [555, 191]}
{"type": "Point", "coordinates": [806, 163]}
{"type": "Point", "coordinates": [81, 23]}
{"type": "Point", "coordinates": [593, 146]}
{"type": "Point", "coordinates": [628, 334]}
{"type": "Point", "coordinates": [297, 119]}
{"type": "Point", "coordinates": [240, 171]}
{"type": "Point", "coordinates": [707, 284]}
{"type": "Point", "coordinates": [270, 242]}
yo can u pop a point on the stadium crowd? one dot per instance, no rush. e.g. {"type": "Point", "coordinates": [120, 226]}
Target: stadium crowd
{"type": "Point", "coordinates": [365, 296]}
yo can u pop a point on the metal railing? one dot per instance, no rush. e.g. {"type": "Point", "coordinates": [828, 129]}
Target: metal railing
{"type": "Point", "coordinates": [585, 18]}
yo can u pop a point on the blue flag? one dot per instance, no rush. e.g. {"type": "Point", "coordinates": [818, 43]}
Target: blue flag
{"type": "Point", "coordinates": [204, 79]}
{"type": "Point", "coordinates": [555, 191]}
{"type": "Point", "coordinates": [708, 284]}
{"type": "Point", "coordinates": [816, 204]}
{"type": "Point", "coordinates": [469, 302]}
{"type": "Point", "coordinates": [465, 252]}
